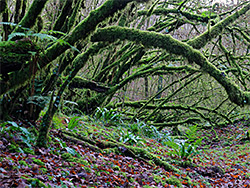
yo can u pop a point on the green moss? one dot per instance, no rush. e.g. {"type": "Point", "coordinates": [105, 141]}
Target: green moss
{"type": "Point", "coordinates": [11, 51]}
{"type": "Point", "coordinates": [44, 170]}
{"type": "Point", "coordinates": [57, 122]}
{"type": "Point", "coordinates": [190, 182]}
{"type": "Point", "coordinates": [174, 181]}
{"type": "Point", "coordinates": [66, 156]}
{"type": "Point", "coordinates": [87, 169]}
{"type": "Point", "coordinates": [157, 179]}
{"type": "Point", "coordinates": [34, 182]}
{"type": "Point", "coordinates": [111, 150]}
{"type": "Point", "coordinates": [84, 162]}
{"type": "Point", "coordinates": [38, 161]}
{"type": "Point", "coordinates": [13, 148]}
{"type": "Point", "coordinates": [186, 163]}
{"type": "Point", "coordinates": [116, 168]}
{"type": "Point", "coordinates": [167, 42]}
{"type": "Point", "coordinates": [69, 158]}
{"type": "Point", "coordinates": [28, 151]}
{"type": "Point", "coordinates": [123, 174]}
{"type": "Point", "coordinates": [130, 179]}
{"type": "Point", "coordinates": [23, 163]}
{"type": "Point", "coordinates": [247, 175]}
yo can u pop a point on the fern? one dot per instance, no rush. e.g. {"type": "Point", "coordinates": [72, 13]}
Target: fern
{"type": "Point", "coordinates": [13, 24]}
{"type": "Point", "coordinates": [18, 34]}
{"type": "Point", "coordinates": [43, 36]}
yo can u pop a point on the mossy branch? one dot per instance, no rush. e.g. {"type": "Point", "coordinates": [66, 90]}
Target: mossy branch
{"type": "Point", "coordinates": [81, 31]}
{"type": "Point", "coordinates": [201, 40]}
{"type": "Point", "coordinates": [79, 82]}
{"type": "Point", "coordinates": [167, 42]}
{"type": "Point", "coordinates": [30, 17]}
{"type": "Point", "coordinates": [176, 123]}
{"type": "Point", "coordinates": [17, 10]}
{"type": "Point", "coordinates": [190, 16]}
{"type": "Point", "coordinates": [243, 33]}
{"type": "Point", "coordinates": [78, 62]}
{"type": "Point", "coordinates": [85, 28]}
{"type": "Point", "coordinates": [66, 11]}
{"type": "Point", "coordinates": [154, 70]}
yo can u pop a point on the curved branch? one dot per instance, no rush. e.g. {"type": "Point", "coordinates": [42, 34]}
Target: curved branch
{"type": "Point", "coordinates": [167, 42]}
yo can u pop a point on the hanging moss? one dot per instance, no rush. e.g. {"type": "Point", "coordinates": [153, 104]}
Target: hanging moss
{"type": "Point", "coordinates": [31, 16]}
{"type": "Point", "coordinates": [73, 16]}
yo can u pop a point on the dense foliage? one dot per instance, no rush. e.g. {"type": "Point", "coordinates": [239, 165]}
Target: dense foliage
{"type": "Point", "coordinates": [145, 71]}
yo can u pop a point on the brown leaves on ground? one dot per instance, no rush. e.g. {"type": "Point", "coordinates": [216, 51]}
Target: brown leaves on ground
{"type": "Point", "coordinates": [223, 163]}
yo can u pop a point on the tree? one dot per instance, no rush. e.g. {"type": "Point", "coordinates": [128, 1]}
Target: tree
{"type": "Point", "coordinates": [115, 45]}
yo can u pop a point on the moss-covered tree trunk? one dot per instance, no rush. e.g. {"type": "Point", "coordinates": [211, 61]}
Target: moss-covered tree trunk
{"type": "Point", "coordinates": [3, 5]}
{"type": "Point", "coordinates": [5, 14]}
{"type": "Point", "coordinates": [29, 20]}
{"type": "Point", "coordinates": [80, 32]}
{"type": "Point", "coordinates": [108, 8]}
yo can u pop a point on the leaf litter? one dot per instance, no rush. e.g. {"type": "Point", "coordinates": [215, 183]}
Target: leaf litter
{"type": "Point", "coordinates": [223, 161]}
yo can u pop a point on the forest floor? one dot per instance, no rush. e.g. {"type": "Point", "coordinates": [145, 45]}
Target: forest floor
{"type": "Point", "coordinates": [222, 159]}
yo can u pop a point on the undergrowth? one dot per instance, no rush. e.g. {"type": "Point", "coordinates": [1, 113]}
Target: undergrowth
{"type": "Point", "coordinates": [199, 158]}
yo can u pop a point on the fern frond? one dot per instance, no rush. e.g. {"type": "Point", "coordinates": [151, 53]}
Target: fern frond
{"type": "Point", "coordinates": [13, 35]}
{"type": "Point", "coordinates": [43, 36]}
{"type": "Point", "coordinates": [13, 24]}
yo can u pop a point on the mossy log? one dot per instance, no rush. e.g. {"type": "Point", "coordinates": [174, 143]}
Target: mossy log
{"type": "Point", "coordinates": [80, 141]}
{"type": "Point", "coordinates": [131, 151]}
{"type": "Point", "coordinates": [167, 42]}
